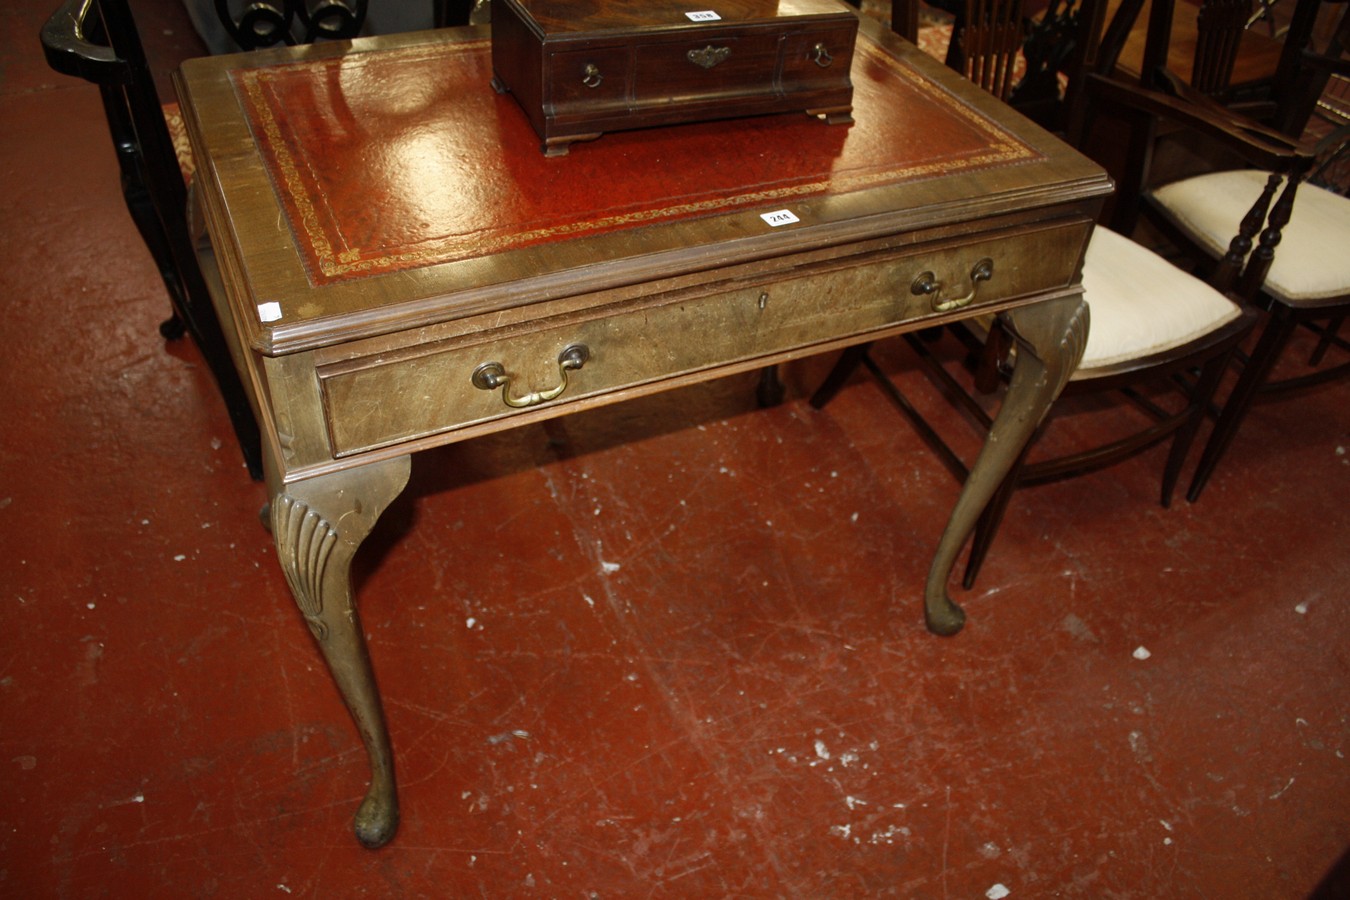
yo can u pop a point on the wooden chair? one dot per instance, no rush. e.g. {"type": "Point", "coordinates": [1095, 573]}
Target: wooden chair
{"type": "Point", "coordinates": [1219, 26]}
{"type": "Point", "coordinates": [1308, 283]}
{"type": "Point", "coordinates": [986, 37]}
{"type": "Point", "coordinates": [989, 35]}
{"type": "Point", "coordinates": [1152, 323]}
{"type": "Point", "coordinates": [1061, 46]}
{"type": "Point", "coordinates": [1263, 78]}
{"type": "Point", "coordinates": [97, 40]}
{"type": "Point", "coordinates": [986, 42]}
{"type": "Point", "coordinates": [1305, 71]}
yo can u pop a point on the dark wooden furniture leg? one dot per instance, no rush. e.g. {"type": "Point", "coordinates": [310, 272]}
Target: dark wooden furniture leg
{"type": "Point", "coordinates": [769, 391]}
{"type": "Point", "coordinates": [318, 524]}
{"type": "Point", "coordinates": [1279, 328]}
{"type": "Point", "coordinates": [1052, 336]}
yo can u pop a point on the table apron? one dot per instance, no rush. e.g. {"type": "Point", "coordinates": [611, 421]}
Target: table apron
{"type": "Point", "coordinates": [390, 398]}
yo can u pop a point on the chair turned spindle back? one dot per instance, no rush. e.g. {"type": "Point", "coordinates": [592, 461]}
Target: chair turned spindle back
{"type": "Point", "coordinates": [1219, 27]}
{"type": "Point", "coordinates": [989, 36]}
{"type": "Point", "coordinates": [990, 39]}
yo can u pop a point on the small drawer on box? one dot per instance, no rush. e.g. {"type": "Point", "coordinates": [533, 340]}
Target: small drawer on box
{"type": "Point", "coordinates": [587, 80]}
{"type": "Point", "coordinates": [706, 67]}
{"type": "Point", "coordinates": [432, 389]}
{"type": "Point", "coordinates": [816, 59]}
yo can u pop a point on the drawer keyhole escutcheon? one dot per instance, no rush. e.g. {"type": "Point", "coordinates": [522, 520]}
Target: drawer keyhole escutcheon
{"type": "Point", "coordinates": [821, 56]}
{"type": "Point", "coordinates": [492, 375]}
{"type": "Point", "coordinates": [590, 76]}
{"type": "Point", "coordinates": [709, 56]}
{"type": "Point", "coordinates": [927, 283]}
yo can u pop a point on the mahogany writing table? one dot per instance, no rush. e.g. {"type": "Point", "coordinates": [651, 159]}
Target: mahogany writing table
{"type": "Point", "coordinates": [399, 267]}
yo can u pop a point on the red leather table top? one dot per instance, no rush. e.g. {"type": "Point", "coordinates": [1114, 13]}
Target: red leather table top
{"type": "Point", "coordinates": [407, 158]}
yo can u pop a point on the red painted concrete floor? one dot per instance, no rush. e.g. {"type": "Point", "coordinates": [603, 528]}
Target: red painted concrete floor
{"type": "Point", "coordinates": [669, 649]}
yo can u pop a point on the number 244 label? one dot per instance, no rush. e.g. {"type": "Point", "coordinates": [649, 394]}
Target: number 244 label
{"type": "Point", "coordinates": [779, 217]}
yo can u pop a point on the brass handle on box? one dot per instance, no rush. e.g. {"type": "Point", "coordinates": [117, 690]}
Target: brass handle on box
{"type": "Point", "coordinates": [590, 76]}
{"type": "Point", "coordinates": [492, 375]}
{"type": "Point", "coordinates": [927, 283]}
{"type": "Point", "coordinates": [709, 56]}
{"type": "Point", "coordinates": [821, 56]}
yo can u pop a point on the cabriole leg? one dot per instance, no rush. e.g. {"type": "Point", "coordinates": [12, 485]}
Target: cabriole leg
{"type": "Point", "coordinates": [1051, 337]}
{"type": "Point", "coordinates": [318, 524]}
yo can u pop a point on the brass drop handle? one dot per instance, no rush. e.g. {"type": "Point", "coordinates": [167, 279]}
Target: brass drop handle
{"type": "Point", "coordinates": [590, 76]}
{"type": "Point", "coordinates": [492, 375]}
{"type": "Point", "coordinates": [927, 283]}
{"type": "Point", "coordinates": [821, 56]}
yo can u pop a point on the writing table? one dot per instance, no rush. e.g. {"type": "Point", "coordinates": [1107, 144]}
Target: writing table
{"type": "Point", "coordinates": [398, 267]}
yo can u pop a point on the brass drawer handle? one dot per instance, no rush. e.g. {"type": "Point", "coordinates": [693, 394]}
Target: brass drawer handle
{"type": "Point", "coordinates": [590, 76]}
{"type": "Point", "coordinates": [927, 283]}
{"type": "Point", "coordinates": [709, 56]}
{"type": "Point", "coordinates": [820, 56]}
{"type": "Point", "coordinates": [492, 375]}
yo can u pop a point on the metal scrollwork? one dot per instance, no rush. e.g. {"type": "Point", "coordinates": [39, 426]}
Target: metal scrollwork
{"type": "Point", "coordinates": [709, 56]}
{"type": "Point", "coordinates": [821, 56]}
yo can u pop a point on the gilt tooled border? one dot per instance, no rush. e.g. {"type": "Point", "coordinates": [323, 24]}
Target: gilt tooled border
{"type": "Point", "coordinates": [1003, 149]}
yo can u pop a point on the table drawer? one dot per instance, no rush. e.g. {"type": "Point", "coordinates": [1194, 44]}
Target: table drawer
{"type": "Point", "coordinates": [388, 398]}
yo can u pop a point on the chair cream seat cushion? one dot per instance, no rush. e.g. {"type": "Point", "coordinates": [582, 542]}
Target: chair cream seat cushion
{"type": "Point", "coordinates": [1140, 304]}
{"type": "Point", "coordinates": [1313, 258]}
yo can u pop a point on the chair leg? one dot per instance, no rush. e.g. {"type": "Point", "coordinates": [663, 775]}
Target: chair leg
{"type": "Point", "coordinates": [1201, 395]}
{"type": "Point", "coordinates": [152, 234]}
{"type": "Point", "coordinates": [245, 425]}
{"type": "Point", "coordinates": [140, 204]}
{"type": "Point", "coordinates": [849, 360]}
{"type": "Point", "coordinates": [147, 223]}
{"type": "Point", "coordinates": [769, 391]}
{"type": "Point", "coordinates": [200, 317]}
{"type": "Point", "coordinates": [172, 328]}
{"type": "Point", "coordinates": [1329, 334]}
{"type": "Point", "coordinates": [989, 365]}
{"type": "Point", "coordinates": [1279, 326]}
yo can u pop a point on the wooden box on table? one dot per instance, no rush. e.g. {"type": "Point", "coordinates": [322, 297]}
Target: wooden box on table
{"type": "Point", "coordinates": [580, 69]}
